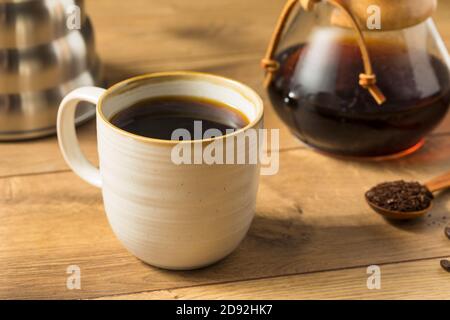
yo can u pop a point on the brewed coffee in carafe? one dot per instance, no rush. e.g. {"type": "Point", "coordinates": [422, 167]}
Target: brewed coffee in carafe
{"type": "Point", "coordinates": [316, 85]}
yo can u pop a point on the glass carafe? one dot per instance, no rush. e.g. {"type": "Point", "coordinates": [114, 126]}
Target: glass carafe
{"type": "Point", "coordinates": [359, 78]}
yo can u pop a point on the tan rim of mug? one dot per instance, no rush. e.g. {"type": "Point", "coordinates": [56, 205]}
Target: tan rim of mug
{"type": "Point", "coordinates": [237, 86]}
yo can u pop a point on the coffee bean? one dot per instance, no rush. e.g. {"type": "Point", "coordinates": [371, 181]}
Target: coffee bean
{"type": "Point", "coordinates": [447, 232]}
{"type": "Point", "coordinates": [445, 264]}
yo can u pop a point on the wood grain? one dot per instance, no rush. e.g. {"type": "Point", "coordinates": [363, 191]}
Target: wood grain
{"type": "Point", "coordinates": [178, 47]}
{"type": "Point", "coordinates": [311, 217]}
{"type": "Point", "coordinates": [308, 220]}
{"type": "Point", "coordinates": [180, 30]}
{"type": "Point", "coordinates": [399, 281]}
{"type": "Point", "coordinates": [191, 30]}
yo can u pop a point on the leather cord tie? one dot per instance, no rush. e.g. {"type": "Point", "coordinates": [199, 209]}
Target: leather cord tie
{"type": "Point", "coordinates": [367, 80]}
{"type": "Point", "coordinates": [270, 65]}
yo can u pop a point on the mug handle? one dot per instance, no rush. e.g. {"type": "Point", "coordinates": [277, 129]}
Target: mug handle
{"type": "Point", "coordinates": [67, 136]}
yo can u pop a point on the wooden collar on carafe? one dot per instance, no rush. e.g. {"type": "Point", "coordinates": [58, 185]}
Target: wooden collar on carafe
{"type": "Point", "coordinates": [397, 14]}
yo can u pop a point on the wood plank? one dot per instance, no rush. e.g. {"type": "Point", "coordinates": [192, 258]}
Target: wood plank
{"type": "Point", "coordinates": [191, 30]}
{"type": "Point", "coordinates": [51, 221]}
{"type": "Point", "coordinates": [304, 214]}
{"type": "Point", "coordinates": [410, 280]}
{"type": "Point", "coordinates": [43, 155]}
{"type": "Point", "coordinates": [161, 22]}
{"type": "Point", "coordinates": [138, 31]}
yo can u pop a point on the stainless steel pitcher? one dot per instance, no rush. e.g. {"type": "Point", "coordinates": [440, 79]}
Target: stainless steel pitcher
{"type": "Point", "coordinates": [42, 58]}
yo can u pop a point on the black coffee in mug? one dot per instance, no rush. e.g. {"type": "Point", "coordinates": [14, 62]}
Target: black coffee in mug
{"type": "Point", "coordinates": [159, 117]}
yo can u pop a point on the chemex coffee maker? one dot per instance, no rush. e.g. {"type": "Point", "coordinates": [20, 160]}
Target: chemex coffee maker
{"type": "Point", "coordinates": [43, 56]}
{"type": "Point", "coordinates": [359, 78]}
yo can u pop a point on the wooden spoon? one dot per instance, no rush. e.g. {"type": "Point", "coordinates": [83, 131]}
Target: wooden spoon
{"type": "Point", "coordinates": [437, 184]}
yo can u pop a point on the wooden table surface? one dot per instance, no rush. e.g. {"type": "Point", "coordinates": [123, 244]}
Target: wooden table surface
{"type": "Point", "coordinates": [313, 235]}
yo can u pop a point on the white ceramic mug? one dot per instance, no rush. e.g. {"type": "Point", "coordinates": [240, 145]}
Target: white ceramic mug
{"type": "Point", "coordinates": [170, 216]}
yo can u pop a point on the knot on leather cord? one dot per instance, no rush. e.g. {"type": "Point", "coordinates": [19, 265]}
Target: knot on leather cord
{"type": "Point", "coordinates": [368, 81]}
{"type": "Point", "coordinates": [270, 65]}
